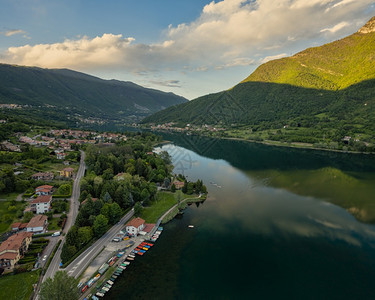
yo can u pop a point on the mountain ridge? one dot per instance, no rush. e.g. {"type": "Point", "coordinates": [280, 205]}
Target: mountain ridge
{"type": "Point", "coordinates": [82, 93]}
{"type": "Point", "coordinates": [332, 67]}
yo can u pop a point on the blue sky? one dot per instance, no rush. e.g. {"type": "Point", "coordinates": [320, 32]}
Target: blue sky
{"type": "Point", "coordinates": [190, 47]}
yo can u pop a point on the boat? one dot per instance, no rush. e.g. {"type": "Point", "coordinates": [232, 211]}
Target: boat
{"type": "Point", "coordinates": [99, 294]}
{"type": "Point", "coordinates": [144, 248]}
{"type": "Point", "coordinates": [105, 289]}
{"type": "Point", "coordinates": [191, 226]}
{"type": "Point", "coordinates": [131, 255]}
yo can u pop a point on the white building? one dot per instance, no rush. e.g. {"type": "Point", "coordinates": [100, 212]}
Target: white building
{"type": "Point", "coordinates": [37, 224]}
{"type": "Point", "coordinates": [42, 204]}
{"type": "Point", "coordinates": [135, 226]}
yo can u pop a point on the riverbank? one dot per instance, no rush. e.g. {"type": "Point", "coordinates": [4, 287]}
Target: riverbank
{"type": "Point", "coordinates": [297, 145]}
{"type": "Point", "coordinates": [173, 211]}
{"type": "Point", "coordinates": [292, 145]}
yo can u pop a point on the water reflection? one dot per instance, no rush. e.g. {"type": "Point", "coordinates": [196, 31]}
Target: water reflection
{"type": "Point", "coordinates": [346, 180]}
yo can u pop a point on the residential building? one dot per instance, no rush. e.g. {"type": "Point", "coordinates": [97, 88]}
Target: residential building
{"type": "Point", "coordinates": [37, 224]}
{"type": "Point", "coordinates": [47, 176]}
{"type": "Point", "coordinates": [42, 204]}
{"type": "Point", "coordinates": [13, 249]}
{"type": "Point", "coordinates": [135, 226]}
{"type": "Point", "coordinates": [19, 226]}
{"type": "Point", "coordinates": [44, 190]}
{"type": "Point", "coordinates": [60, 155]}
{"type": "Point", "coordinates": [178, 184]}
{"type": "Point", "coordinates": [67, 172]}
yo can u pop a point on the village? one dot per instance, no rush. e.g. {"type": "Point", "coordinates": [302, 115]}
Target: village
{"type": "Point", "coordinates": [47, 201]}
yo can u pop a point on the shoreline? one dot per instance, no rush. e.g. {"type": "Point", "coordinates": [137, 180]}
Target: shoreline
{"type": "Point", "coordinates": [171, 213]}
{"type": "Point", "coordinates": [296, 146]}
{"type": "Point", "coordinates": [272, 143]}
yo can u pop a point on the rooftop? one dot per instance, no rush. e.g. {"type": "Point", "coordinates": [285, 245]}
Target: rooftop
{"type": "Point", "coordinates": [136, 222]}
{"type": "Point", "coordinates": [42, 199]}
{"type": "Point", "coordinates": [37, 221]}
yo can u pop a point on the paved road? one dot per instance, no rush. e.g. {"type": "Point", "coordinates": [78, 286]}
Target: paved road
{"type": "Point", "coordinates": [71, 217]}
{"type": "Point", "coordinates": [83, 261]}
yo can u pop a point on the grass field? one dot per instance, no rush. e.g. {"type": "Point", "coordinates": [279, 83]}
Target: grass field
{"type": "Point", "coordinates": [18, 286]}
{"type": "Point", "coordinates": [52, 225]}
{"type": "Point", "coordinates": [163, 202]}
{"type": "Point", "coordinates": [8, 216]}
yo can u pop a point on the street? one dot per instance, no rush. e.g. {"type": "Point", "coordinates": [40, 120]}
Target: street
{"type": "Point", "coordinates": [83, 261]}
{"type": "Point", "coordinates": [71, 217]}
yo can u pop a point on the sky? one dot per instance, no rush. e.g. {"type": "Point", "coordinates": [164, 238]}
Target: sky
{"type": "Point", "coordinates": [190, 48]}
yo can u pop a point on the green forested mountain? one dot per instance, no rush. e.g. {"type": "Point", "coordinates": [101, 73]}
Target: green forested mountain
{"type": "Point", "coordinates": [332, 86]}
{"type": "Point", "coordinates": [77, 94]}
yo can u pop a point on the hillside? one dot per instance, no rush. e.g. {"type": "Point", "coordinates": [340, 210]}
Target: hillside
{"type": "Point", "coordinates": [80, 95]}
{"type": "Point", "coordinates": [336, 80]}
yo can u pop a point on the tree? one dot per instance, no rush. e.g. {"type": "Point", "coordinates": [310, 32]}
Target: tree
{"type": "Point", "coordinates": [179, 195]}
{"type": "Point", "coordinates": [115, 213]}
{"type": "Point", "coordinates": [64, 189]}
{"type": "Point", "coordinates": [100, 225]}
{"type": "Point", "coordinates": [61, 286]}
{"type": "Point", "coordinates": [173, 188]}
{"type": "Point", "coordinates": [27, 216]}
{"type": "Point", "coordinates": [138, 209]}
{"type": "Point", "coordinates": [85, 234]}
{"type": "Point", "coordinates": [190, 188]}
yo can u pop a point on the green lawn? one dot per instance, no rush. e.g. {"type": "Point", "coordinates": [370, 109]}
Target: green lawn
{"type": "Point", "coordinates": [18, 286]}
{"type": "Point", "coordinates": [52, 225]}
{"type": "Point", "coordinates": [7, 216]}
{"type": "Point", "coordinates": [163, 202]}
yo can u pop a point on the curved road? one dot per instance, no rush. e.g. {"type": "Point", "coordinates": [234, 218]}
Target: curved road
{"type": "Point", "coordinates": [72, 215]}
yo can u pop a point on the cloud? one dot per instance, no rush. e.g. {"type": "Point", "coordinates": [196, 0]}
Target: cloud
{"type": "Point", "coordinates": [13, 32]}
{"type": "Point", "coordinates": [227, 34]}
{"type": "Point", "coordinates": [167, 83]}
{"type": "Point", "coordinates": [268, 58]}
{"type": "Point", "coordinates": [336, 28]}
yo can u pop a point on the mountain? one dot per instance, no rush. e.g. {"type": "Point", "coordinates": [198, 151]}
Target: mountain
{"type": "Point", "coordinates": [78, 95]}
{"type": "Point", "coordinates": [331, 86]}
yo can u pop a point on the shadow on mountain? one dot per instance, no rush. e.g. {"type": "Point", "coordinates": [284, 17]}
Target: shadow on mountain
{"type": "Point", "coordinates": [254, 103]}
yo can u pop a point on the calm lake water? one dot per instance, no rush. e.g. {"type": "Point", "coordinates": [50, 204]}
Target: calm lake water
{"type": "Point", "coordinates": [279, 223]}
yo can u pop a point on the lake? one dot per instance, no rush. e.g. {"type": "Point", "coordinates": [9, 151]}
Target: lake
{"type": "Point", "coordinates": [278, 223]}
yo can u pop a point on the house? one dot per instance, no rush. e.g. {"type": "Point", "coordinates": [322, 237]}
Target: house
{"type": "Point", "coordinates": [48, 176]}
{"type": "Point", "coordinates": [60, 155]}
{"type": "Point", "coordinates": [178, 184]}
{"type": "Point", "coordinates": [12, 250]}
{"type": "Point", "coordinates": [135, 226]}
{"type": "Point", "coordinates": [67, 172]}
{"type": "Point", "coordinates": [42, 204]}
{"type": "Point", "coordinates": [37, 224]}
{"type": "Point", "coordinates": [18, 226]}
{"type": "Point", "coordinates": [43, 190]}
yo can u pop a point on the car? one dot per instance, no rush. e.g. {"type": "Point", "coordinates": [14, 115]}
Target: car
{"type": "Point", "coordinates": [44, 257]}
{"type": "Point", "coordinates": [58, 233]}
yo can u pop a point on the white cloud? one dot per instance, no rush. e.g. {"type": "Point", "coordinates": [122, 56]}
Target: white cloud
{"type": "Point", "coordinates": [336, 28]}
{"type": "Point", "coordinates": [13, 32]}
{"type": "Point", "coordinates": [167, 83]}
{"type": "Point", "coordinates": [268, 58]}
{"type": "Point", "coordinates": [227, 33]}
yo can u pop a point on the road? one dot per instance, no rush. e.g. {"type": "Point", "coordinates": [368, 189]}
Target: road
{"type": "Point", "coordinates": [71, 217]}
{"type": "Point", "coordinates": [82, 261]}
